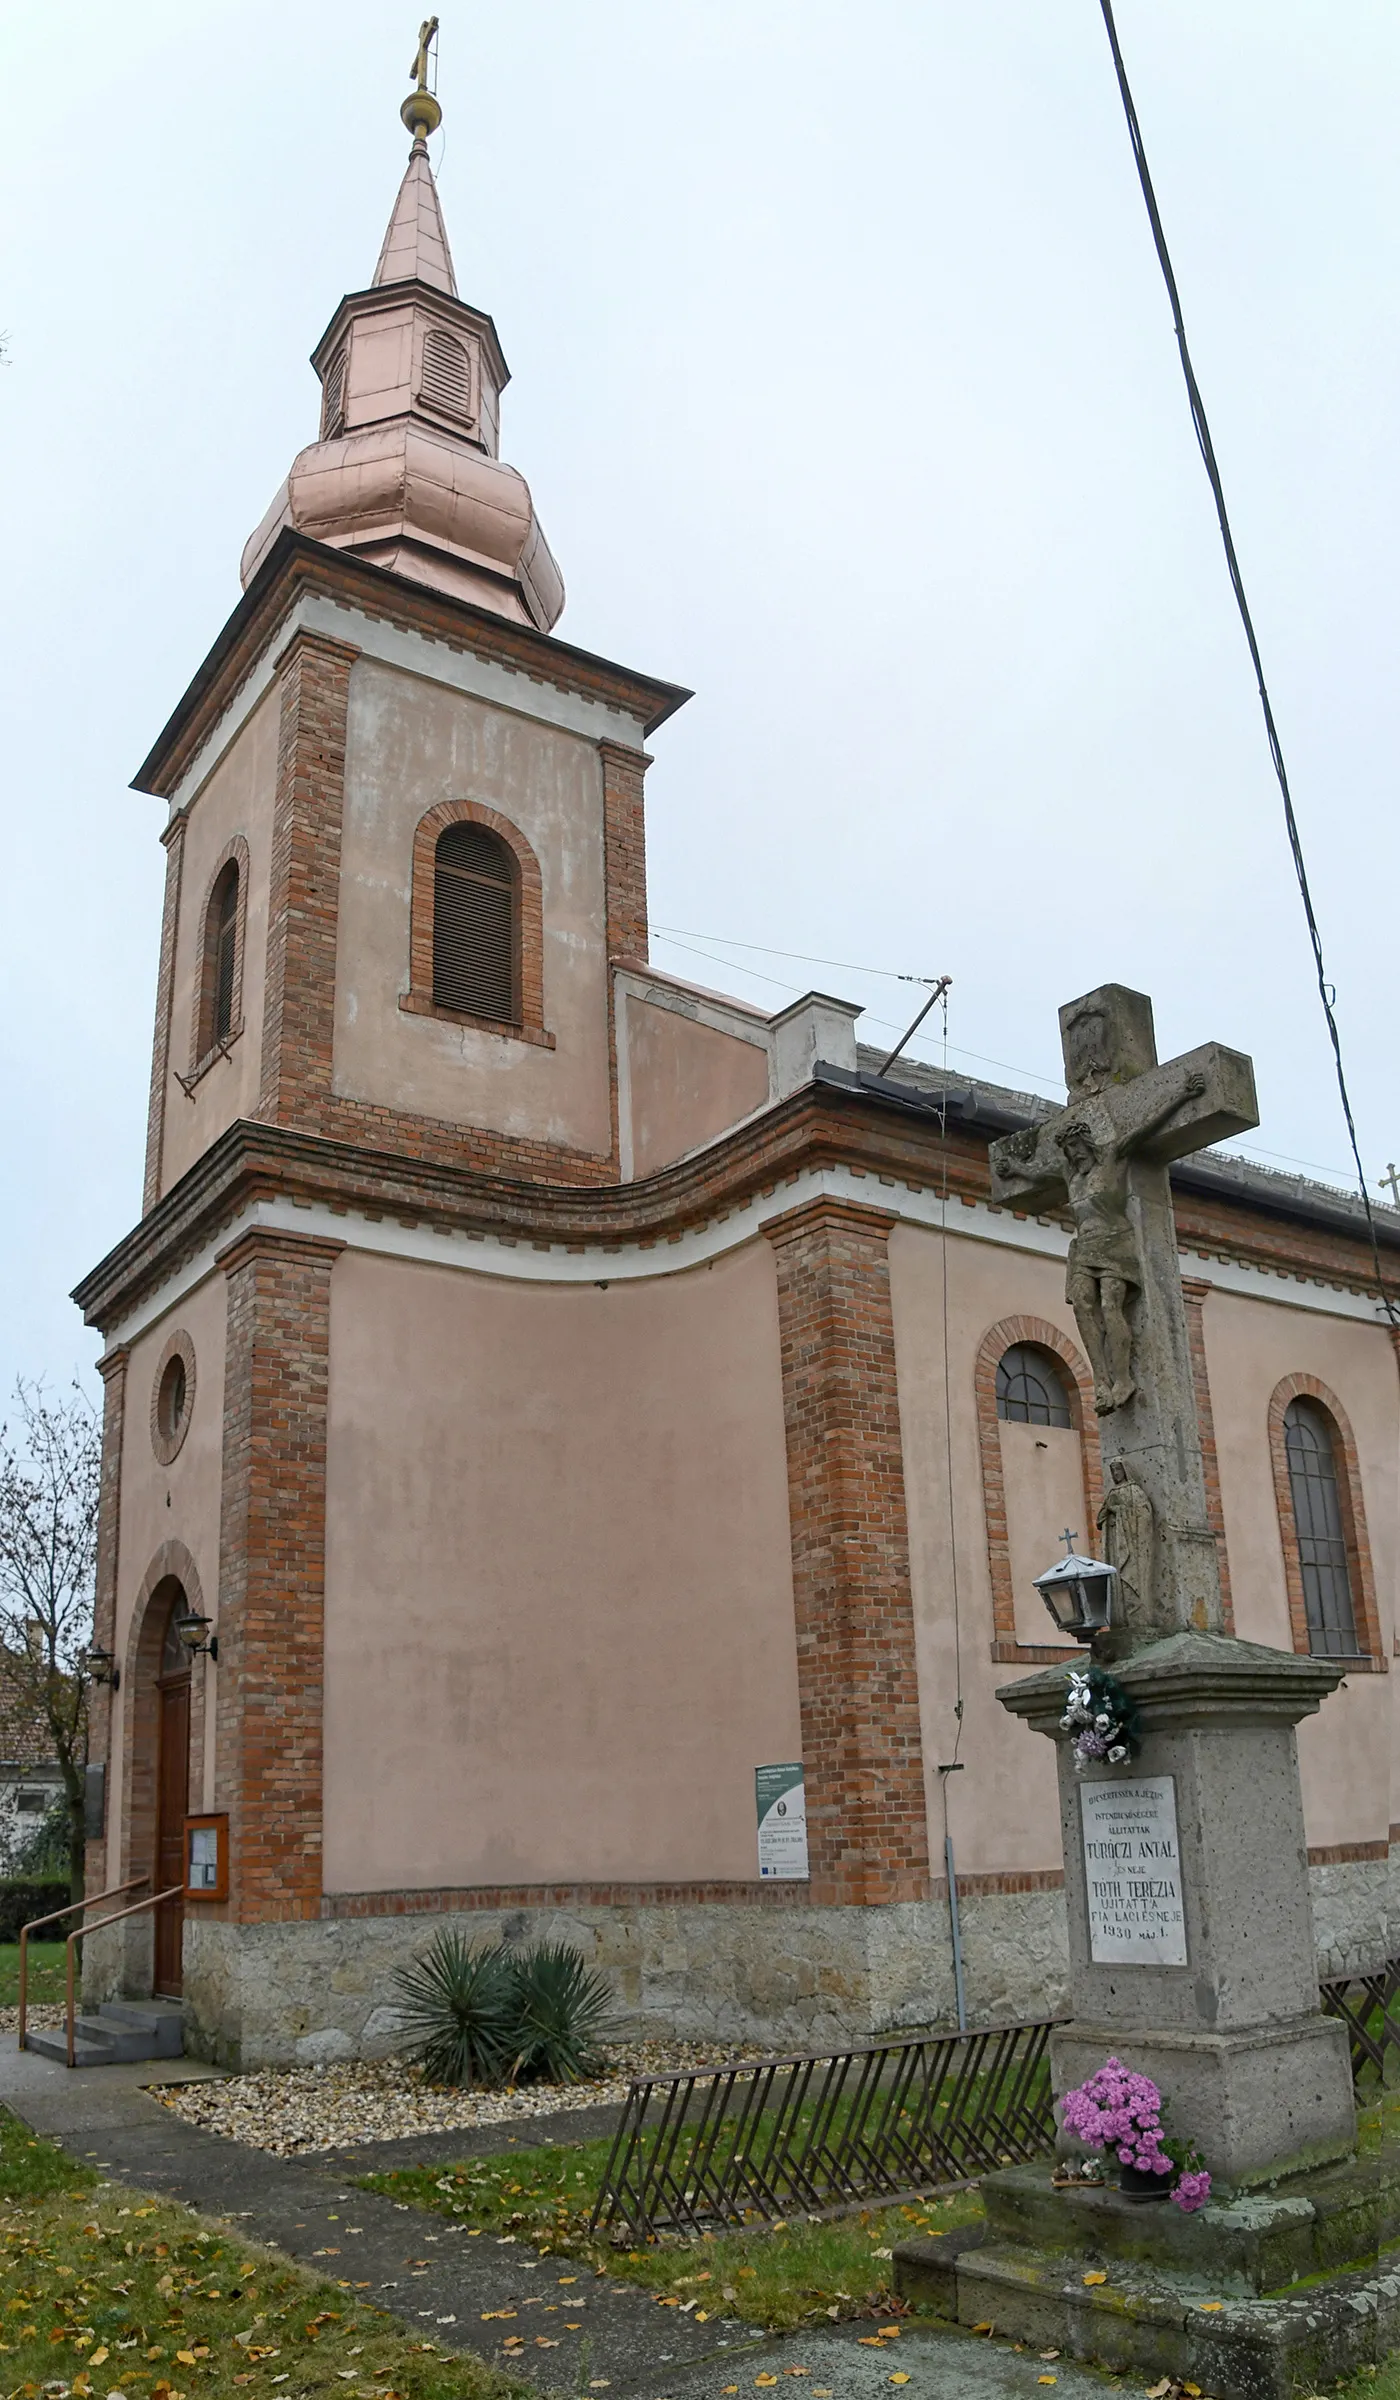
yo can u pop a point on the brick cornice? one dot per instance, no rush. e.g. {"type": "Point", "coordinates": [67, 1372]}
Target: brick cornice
{"type": "Point", "coordinates": [295, 567]}
{"type": "Point", "coordinates": [822, 1125]}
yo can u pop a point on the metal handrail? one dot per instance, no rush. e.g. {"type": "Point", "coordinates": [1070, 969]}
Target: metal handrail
{"type": "Point", "coordinates": [176, 1892]}
{"type": "Point", "coordinates": [71, 1910]}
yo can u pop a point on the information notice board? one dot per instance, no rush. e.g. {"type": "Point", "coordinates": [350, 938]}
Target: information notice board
{"type": "Point", "coordinates": [782, 1821]}
{"type": "Point", "coordinates": [1132, 1872]}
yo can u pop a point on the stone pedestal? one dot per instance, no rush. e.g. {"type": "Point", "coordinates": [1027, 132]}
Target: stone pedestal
{"type": "Point", "coordinates": [1192, 1960]}
{"type": "Point", "coordinates": [1230, 2029]}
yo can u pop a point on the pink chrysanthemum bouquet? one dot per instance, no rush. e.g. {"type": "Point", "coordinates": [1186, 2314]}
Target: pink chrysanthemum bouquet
{"type": "Point", "coordinates": [1121, 2111]}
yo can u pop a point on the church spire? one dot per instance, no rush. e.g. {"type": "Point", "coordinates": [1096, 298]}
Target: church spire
{"type": "Point", "coordinates": [407, 472]}
{"type": "Point", "coordinates": [415, 247]}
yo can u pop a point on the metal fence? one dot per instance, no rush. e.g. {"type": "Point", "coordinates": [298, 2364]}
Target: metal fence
{"type": "Point", "coordinates": [1365, 2003]}
{"type": "Point", "coordinates": [762, 2139]}
{"type": "Point", "coordinates": [768, 2138]}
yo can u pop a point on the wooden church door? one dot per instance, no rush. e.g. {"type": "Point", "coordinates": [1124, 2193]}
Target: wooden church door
{"type": "Point", "coordinates": [172, 1802]}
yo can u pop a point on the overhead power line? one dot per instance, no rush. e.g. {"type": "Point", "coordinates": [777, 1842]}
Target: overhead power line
{"type": "Point", "coordinates": [1326, 990]}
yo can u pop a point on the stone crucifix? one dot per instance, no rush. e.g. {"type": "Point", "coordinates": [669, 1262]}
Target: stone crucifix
{"type": "Point", "coordinates": [1104, 1158]}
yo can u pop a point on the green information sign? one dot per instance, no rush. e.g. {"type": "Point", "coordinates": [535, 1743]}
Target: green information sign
{"type": "Point", "coordinates": [782, 1821]}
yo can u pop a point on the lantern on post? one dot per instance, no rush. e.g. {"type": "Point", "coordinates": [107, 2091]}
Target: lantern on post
{"type": "Point", "coordinates": [1079, 1593]}
{"type": "Point", "coordinates": [100, 1666]}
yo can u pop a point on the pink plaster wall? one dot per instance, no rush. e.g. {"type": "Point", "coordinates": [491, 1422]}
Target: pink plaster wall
{"type": "Point", "coordinates": [410, 744]}
{"type": "Point", "coordinates": [239, 797]}
{"type": "Point", "coordinates": [1347, 1750]}
{"type": "Point", "coordinates": [686, 1082]}
{"type": "Point", "coordinates": [1043, 1468]}
{"type": "Point", "coordinates": [175, 1503]}
{"type": "Point", "coordinates": [559, 1618]}
{"type": "Point", "coordinates": [1003, 1808]}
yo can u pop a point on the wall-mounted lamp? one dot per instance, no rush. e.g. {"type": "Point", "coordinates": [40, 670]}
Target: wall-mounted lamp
{"type": "Point", "coordinates": [100, 1666]}
{"type": "Point", "coordinates": [190, 1628]}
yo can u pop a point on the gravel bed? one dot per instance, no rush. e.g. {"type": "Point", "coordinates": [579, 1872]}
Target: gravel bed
{"type": "Point", "coordinates": [43, 2016]}
{"type": "Point", "coordinates": [291, 2110]}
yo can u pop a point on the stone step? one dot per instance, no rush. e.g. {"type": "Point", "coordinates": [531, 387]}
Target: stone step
{"type": "Point", "coordinates": [120, 2032]}
{"type": "Point", "coordinates": [1133, 2318]}
{"type": "Point", "coordinates": [54, 2044]}
{"type": "Point", "coordinates": [160, 2022]}
{"type": "Point", "coordinates": [1340, 2217]}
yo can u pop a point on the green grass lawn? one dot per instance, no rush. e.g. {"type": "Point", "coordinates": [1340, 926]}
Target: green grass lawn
{"type": "Point", "coordinates": [798, 2273]}
{"type": "Point", "coordinates": [104, 2291]}
{"type": "Point", "coordinates": [45, 1972]}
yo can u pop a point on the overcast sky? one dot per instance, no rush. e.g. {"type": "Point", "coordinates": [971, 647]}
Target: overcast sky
{"type": "Point", "coordinates": [845, 383]}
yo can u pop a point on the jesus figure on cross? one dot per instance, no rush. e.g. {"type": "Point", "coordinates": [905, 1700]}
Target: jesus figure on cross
{"type": "Point", "coordinates": [1104, 1266]}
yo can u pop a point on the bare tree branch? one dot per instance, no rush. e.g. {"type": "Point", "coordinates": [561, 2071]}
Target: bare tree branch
{"type": "Point", "coordinates": [50, 1462]}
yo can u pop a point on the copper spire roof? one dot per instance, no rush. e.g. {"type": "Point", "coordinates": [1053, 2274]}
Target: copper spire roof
{"type": "Point", "coordinates": [406, 471]}
{"type": "Point", "coordinates": [415, 246]}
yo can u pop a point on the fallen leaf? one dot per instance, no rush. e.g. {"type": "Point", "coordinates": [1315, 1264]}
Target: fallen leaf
{"type": "Point", "coordinates": [98, 2356]}
{"type": "Point", "coordinates": [1049, 2353]}
{"type": "Point", "coordinates": [1192, 2390]}
{"type": "Point", "coordinates": [1211, 2308]}
{"type": "Point", "coordinates": [1099, 2275]}
{"type": "Point", "coordinates": [1160, 2390]}
{"type": "Point", "coordinates": [984, 2327]}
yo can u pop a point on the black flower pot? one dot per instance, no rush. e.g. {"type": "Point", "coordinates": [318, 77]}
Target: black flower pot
{"type": "Point", "coordinates": [1136, 2184]}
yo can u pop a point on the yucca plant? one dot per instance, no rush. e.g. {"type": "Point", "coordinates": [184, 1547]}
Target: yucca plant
{"type": "Point", "coordinates": [563, 2015]}
{"type": "Point", "coordinates": [460, 2010]}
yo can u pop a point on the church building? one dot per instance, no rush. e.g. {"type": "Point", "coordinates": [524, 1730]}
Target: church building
{"type": "Point", "coordinates": [555, 1413]}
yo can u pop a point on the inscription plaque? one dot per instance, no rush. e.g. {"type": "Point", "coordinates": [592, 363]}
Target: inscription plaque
{"type": "Point", "coordinates": [1132, 1872]}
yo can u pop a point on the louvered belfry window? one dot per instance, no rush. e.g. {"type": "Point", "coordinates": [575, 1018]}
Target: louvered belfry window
{"type": "Point", "coordinates": [333, 412]}
{"type": "Point", "coordinates": [220, 961]}
{"type": "Point", "coordinates": [447, 373]}
{"type": "Point", "coordinates": [475, 925]}
{"type": "Point", "coordinates": [1310, 1443]}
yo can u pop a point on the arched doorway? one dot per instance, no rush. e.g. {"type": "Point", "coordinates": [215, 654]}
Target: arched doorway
{"type": "Point", "coordinates": [172, 1791]}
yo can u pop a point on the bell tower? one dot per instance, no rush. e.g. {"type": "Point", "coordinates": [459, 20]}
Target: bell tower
{"type": "Point", "coordinates": [406, 846]}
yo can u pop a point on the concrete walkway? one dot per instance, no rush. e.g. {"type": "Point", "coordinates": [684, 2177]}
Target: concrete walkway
{"type": "Point", "coordinates": [584, 2334]}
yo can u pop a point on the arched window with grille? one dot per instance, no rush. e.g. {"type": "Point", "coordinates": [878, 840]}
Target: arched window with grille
{"type": "Point", "coordinates": [1031, 1387]}
{"type": "Point", "coordinates": [1319, 1524]}
{"type": "Point", "coordinates": [476, 924]}
{"type": "Point", "coordinates": [218, 989]}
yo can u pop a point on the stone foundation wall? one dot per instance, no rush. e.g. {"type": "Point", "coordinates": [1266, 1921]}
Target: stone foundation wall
{"type": "Point", "coordinates": [1356, 1922]}
{"type": "Point", "coordinates": [776, 1978]}
{"type": "Point", "coordinates": [748, 1977]}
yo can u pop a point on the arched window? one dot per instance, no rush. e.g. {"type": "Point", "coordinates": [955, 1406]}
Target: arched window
{"type": "Point", "coordinates": [1309, 1439]}
{"type": "Point", "coordinates": [1031, 1388]}
{"type": "Point", "coordinates": [476, 924]}
{"type": "Point", "coordinates": [217, 991]}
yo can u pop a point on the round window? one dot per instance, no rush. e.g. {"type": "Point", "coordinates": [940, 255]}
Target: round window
{"type": "Point", "coordinates": [171, 1406]}
{"type": "Point", "coordinates": [172, 1397]}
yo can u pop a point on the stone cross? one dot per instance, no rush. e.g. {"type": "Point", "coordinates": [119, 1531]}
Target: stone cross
{"type": "Point", "coordinates": [1105, 1158]}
